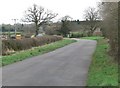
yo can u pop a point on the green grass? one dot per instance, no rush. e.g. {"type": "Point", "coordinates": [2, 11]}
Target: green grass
{"type": "Point", "coordinates": [19, 56]}
{"type": "Point", "coordinates": [103, 69]}
{"type": "Point", "coordinates": [11, 33]}
{"type": "Point", "coordinates": [93, 37]}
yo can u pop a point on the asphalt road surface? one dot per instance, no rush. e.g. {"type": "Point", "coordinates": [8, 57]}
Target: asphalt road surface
{"type": "Point", "coordinates": [67, 66]}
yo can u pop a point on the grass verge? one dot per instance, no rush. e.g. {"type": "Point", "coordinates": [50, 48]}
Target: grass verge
{"type": "Point", "coordinates": [103, 70]}
{"type": "Point", "coordinates": [19, 56]}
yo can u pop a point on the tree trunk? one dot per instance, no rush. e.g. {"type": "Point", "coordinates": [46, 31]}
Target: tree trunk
{"type": "Point", "coordinates": [37, 30]}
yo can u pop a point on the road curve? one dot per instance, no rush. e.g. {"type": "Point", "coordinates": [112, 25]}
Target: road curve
{"type": "Point", "coordinates": [67, 66]}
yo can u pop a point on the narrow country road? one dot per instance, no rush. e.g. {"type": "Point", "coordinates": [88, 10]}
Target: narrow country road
{"type": "Point", "coordinates": [67, 66]}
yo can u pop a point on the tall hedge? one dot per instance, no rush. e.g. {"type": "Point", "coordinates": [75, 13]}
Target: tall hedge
{"type": "Point", "coordinates": [109, 13]}
{"type": "Point", "coordinates": [17, 45]}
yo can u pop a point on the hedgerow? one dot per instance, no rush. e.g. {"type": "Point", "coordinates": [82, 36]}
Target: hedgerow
{"type": "Point", "coordinates": [9, 46]}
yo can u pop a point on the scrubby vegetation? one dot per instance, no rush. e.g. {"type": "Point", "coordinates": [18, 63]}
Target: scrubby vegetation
{"type": "Point", "coordinates": [21, 55]}
{"type": "Point", "coordinates": [10, 46]}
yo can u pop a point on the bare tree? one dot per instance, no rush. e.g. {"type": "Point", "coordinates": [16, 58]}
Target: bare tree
{"type": "Point", "coordinates": [66, 18]}
{"type": "Point", "coordinates": [65, 25]}
{"type": "Point", "coordinates": [39, 16]}
{"type": "Point", "coordinates": [92, 16]}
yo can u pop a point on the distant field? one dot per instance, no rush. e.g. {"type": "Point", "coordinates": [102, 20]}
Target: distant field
{"type": "Point", "coordinates": [93, 38]}
{"type": "Point", "coordinates": [11, 33]}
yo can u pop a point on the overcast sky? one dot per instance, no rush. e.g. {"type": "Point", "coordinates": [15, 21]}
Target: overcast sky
{"type": "Point", "coordinates": [14, 9]}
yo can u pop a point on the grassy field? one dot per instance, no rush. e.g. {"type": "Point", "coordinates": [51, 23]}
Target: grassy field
{"type": "Point", "coordinates": [93, 38]}
{"type": "Point", "coordinates": [11, 33]}
{"type": "Point", "coordinates": [19, 56]}
{"type": "Point", "coordinates": [103, 70]}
